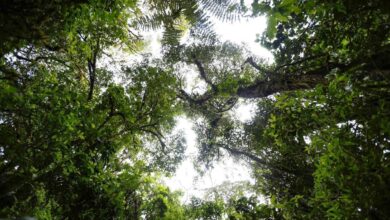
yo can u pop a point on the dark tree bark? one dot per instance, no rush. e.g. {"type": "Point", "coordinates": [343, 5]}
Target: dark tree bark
{"type": "Point", "coordinates": [262, 89]}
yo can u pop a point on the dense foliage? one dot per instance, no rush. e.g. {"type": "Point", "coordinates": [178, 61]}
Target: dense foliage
{"type": "Point", "coordinates": [81, 138]}
{"type": "Point", "coordinates": [74, 144]}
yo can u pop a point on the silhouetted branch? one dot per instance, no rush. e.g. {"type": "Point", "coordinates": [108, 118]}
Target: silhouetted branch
{"type": "Point", "coordinates": [203, 74]}
{"type": "Point", "coordinates": [92, 70]}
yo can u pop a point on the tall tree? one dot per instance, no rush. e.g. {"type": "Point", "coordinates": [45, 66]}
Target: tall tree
{"type": "Point", "coordinates": [320, 149]}
{"type": "Point", "coordinates": [75, 144]}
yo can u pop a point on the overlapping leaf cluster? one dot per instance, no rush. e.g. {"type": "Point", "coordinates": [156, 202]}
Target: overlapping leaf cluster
{"type": "Point", "coordinates": [319, 141]}
{"type": "Point", "coordinates": [79, 140]}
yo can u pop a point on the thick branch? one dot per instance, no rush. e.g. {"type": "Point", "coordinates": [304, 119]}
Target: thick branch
{"type": "Point", "coordinates": [38, 58]}
{"type": "Point", "coordinates": [263, 88]}
{"type": "Point", "coordinates": [194, 101]}
{"type": "Point", "coordinates": [203, 74]}
{"type": "Point", "coordinates": [306, 80]}
{"type": "Point", "coordinates": [244, 153]}
{"type": "Point", "coordinates": [92, 74]}
{"type": "Point", "coordinates": [226, 106]}
{"type": "Point", "coordinates": [254, 65]}
{"type": "Point", "coordinates": [262, 162]}
{"type": "Point", "coordinates": [299, 61]}
{"type": "Point", "coordinates": [159, 137]}
{"type": "Point", "coordinates": [92, 70]}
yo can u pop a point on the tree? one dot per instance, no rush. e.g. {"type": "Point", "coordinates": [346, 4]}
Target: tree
{"type": "Point", "coordinates": [75, 144]}
{"type": "Point", "coordinates": [319, 149]}
{"type": "Point", "coordinates": [55, 140]}
{"type": "Point", "coordinates": [230, 201]}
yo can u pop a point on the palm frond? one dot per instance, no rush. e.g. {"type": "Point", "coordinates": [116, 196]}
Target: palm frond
{"type": "Point", "coordinates": [197, 14]}
{"type": "Point", "coordinates": [225, 10]}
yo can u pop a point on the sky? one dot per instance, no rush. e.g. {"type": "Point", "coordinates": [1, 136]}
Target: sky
{"type": "Point", "coordinates": [244, 31]}
{"type": "Point", "coordinates": [186, 178]}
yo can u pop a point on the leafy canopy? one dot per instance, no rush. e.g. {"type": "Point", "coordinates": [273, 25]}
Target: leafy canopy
{"type": "Point", "coordinates": [81, 140]}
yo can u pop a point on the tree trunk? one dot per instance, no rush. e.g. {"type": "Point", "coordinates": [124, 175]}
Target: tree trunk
{"type": "Point", "coordinates": [262, 89]}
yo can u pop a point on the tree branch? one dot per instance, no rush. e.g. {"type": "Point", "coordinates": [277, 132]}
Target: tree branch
{"type": "Point", "coordinates": [194, 101]}
{"type": "Point", "coordinates": [158, 136]}
{"type": "Point", "coordinates": [261, 162]}
{"type": "Point", "coordinates": [92, 70]}
{"type": "Point", "coordinates": [299, 61]}
{"type": "Point", "coordinates": [38, 58]}
{"type": "Point", "coordinates": [203, 74]}
{"type": "Point", "coordinates": [259, 68]}
{"type": "Point", "coordinates": [261, 88]}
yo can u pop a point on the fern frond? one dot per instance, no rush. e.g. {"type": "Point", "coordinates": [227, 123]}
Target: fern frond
{"type": "Point", "coordinates": [225, 10]}
{"type": "Point", "coordinates": [176, 15]}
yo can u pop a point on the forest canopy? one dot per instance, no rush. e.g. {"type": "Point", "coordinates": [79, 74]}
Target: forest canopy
{"type": "Point", "coordinates": [86, 136]}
